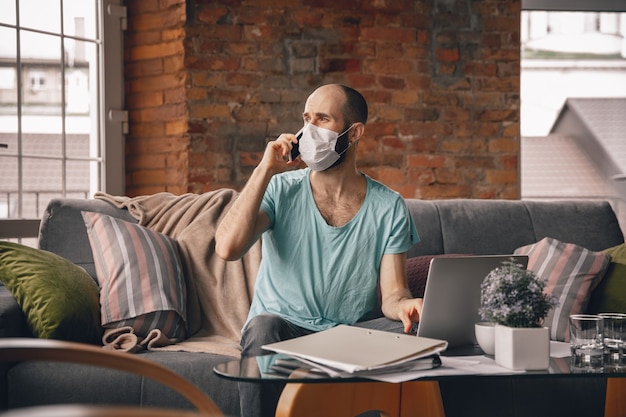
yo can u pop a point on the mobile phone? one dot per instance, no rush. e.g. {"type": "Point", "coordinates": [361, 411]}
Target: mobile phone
{"type": "Point", "coordinates": [295, 150]}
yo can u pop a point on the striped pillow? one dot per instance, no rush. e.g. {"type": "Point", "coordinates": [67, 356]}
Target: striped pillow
{"type": "Point", "coordinates": [572, 273]}
{"type": "Point", "coordinates": [140, 275]}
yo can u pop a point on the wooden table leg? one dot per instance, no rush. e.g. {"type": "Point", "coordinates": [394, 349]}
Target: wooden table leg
{"type": "Point", "coordinates": [615, 402]}
{"type": "Point", "coordinates": [339, 399]}
{"type": "Point", "coordinates": [421, 398]}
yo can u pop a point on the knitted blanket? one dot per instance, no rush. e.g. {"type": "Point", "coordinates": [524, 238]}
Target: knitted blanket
{"type": "Point", "coordinates": [219, 293]}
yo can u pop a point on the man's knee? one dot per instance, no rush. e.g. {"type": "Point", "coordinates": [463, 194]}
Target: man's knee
{"type": "Point", "coordinates": [259, 331]}
{"type": "Point", "coordinates": [264, 329]}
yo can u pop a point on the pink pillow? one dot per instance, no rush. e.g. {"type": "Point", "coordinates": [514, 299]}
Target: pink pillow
{"type": "Point", "coordinates": [572, 272]}
{"type": "Point", "coordinates": [140, 275]}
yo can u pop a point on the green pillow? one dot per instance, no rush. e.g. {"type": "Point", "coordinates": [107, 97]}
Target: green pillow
{"type": "Point", "coordinates": [618, 253]}
{"type": "Point", "coordinates": [610, 295]}
{"type": "Point", "coordinates": [59, 299]}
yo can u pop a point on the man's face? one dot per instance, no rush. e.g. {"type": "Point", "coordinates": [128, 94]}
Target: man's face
{"type": "Point", "coordinates": [323, 108]}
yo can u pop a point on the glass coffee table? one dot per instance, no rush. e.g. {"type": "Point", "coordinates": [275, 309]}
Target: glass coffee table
{"type": "Point", "coordinates": [351, 396]}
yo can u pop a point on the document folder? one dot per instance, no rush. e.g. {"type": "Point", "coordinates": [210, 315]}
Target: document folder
{"type": "Point", "coordinates": [351, 349]}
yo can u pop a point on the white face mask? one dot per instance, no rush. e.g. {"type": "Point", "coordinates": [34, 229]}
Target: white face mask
{"type": "Point", "coordinates": [318, 146]}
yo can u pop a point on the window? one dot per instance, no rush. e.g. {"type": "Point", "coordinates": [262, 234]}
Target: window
{"type": "Point", "coordinates": [60, 76]}
{"type": "Point", "coordinates": [568, 54]}
{"type": "Point", "coordinates": [573, 96]}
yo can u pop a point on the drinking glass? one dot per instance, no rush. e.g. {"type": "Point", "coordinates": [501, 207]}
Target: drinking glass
{"type": "Point", "coordinates": [586, 342]}
{"type": "Point", "coordinates": [614, 337]}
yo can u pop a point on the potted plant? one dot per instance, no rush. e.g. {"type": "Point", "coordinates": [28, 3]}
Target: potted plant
{"type": "Point", "coordinates": [513, 298]}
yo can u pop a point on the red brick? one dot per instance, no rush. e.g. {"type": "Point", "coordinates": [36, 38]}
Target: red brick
{"type": "Point", "coordinates": [497, 115]}
{"type": "Point", "coordinates": [438, 191]}
{"type": "Point", "coordinates": [427, 144]}
{"type": "Point", "coordinates": [501, 176]}
{"type": "Point", "coordinates": [406, 190]}
{"type": "Point", "coordinates": [173, 64]}
{"type": "Point", "coordinates": [406, 97]}
{"type": "Point", "coordinates": [393, 143]}
{"type": "Point", "coordinates": [210, 111]}
{"type": "Point", "coordinates": [176, 128]}
{"type": "Point", "coordinates": [480, 69]}
{"type": "Point", "coordinates": [212, 14]}
{"type": "Point", "coordinates": [156, 83]}
{"type": "Point", "coordinates": [164, 112]}
{"type": "Point", "coordinates": [146, 130]}
{"type": "Point", "coordinates": [447, 54]}
{"type": "Point", "coordinates": [340, 65]}
{"type": "Point", "coordinates": [509, 161]}
{"type": "Point", "coordinates": [217, 64]}
{"type": "Point", "coordinates": [421, 176]}
{"type": "Point", "coordinates": [500, 23]}
{"type": "Point", "coordinates": [511, 129]}
{"type": "Point", "coordinates": [503, 145]}
{"type": "Point", "coordinates": [156, 161]}
{"type": "Point", "coordinates": [422, 160]}
{"type": "Point", "coordinates": [388, 175]}
{"type": "Point", "coordinates": [388, 34]}
{"type": "Point", "coordinates": [147, 99]}
{"type": "Point", "coordinates": [137, 8]}
{"type": "Point", "coordinates": [173, 34]}
{"type": "Point", "coordinates": [448, 176]}
{"type": "Point", "coordinates": [144, 68]}
{"type": "Point", "coordinates": [387, 66]}
{"type": "Point", "coordinates": [159, 20]}
{"type": "Point", "coordinates": [154, 144]}
{"type": "Point", "coordinates": [307, 17]}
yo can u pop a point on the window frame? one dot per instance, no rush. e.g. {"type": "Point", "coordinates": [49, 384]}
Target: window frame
{"type": "Point", "coordinates": [575, 5]}
{"type": "Point", "coordinates": [111, 26]}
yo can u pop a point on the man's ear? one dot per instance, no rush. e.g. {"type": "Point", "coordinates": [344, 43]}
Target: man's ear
{"type": "Point", "coordinates": [357, 132]}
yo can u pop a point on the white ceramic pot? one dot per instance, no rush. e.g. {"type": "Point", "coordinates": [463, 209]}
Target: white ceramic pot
{"type": "Point", "coordinates": [485, 336]}
{"type": "Point", "coordinates": [522, 348]}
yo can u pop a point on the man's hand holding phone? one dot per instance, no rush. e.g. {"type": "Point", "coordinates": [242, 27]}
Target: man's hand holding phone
{"type": "Point", "coordinates": [295, 150]}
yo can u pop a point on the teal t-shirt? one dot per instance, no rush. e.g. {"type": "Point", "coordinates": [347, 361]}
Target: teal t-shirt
{"type": "Point", "coordinates": [316, 275]}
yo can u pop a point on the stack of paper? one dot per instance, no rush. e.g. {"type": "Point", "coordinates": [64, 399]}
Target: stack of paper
{"type": "Point", "coordinates": [356, 351]}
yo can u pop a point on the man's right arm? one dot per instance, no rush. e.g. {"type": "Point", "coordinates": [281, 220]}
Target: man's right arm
{"type": "Point", "coordinates": [245, 222]}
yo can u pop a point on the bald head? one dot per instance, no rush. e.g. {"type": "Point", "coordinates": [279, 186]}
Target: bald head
{"type": "Point", "coordinates": [350, 102]}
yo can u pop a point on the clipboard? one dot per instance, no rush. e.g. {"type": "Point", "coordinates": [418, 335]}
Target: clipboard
{"type": "Point", "coordinates": [349, 350]}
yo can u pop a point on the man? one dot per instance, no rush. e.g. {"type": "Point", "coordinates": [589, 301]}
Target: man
{"type": "Point", "coordinates": [331, 232]}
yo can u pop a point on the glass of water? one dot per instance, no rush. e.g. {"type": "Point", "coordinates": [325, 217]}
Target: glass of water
{"type": "Point", "coordinates": [586, 342]}
{"type": "Point", "coordinates": [614, 337]}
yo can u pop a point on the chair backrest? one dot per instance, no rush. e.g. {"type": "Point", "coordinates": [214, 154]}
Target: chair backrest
{"type": "Point", "coordinates": [75, 410]}
{"type": "Point", "coordinates": [26, 349]}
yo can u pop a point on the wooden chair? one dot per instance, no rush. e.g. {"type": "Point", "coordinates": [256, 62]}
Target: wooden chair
{"type": "Point", "coordinates": [615, 405]}
{"type": "Point", "coordinates": [74, 410]}
{"type": "Point", "coordinates": [25, 349]}
{"type": "Point", "coordinates": [413, 398]}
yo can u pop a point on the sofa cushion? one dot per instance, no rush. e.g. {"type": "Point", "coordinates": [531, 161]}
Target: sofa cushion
{"type": "Point", "coordinates": [140, 275]}
{"type": "Point", "coordinates": [572, 272]}
{"type": "Point", "coordinates": [610, 295]}
{"type": "Point", "coordinates": [58, 298]}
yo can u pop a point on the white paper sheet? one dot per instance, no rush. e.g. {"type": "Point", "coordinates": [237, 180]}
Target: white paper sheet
{"type": "Point", "coordinates": [559, 349]}
{"type": "Point", "coordinates": [451, 365]}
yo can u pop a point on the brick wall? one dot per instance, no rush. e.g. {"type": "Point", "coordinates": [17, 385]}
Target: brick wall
{"type": "Point", "coordinates": [157, 146]}
{"type": "Point", "coordinates": [209, 83]}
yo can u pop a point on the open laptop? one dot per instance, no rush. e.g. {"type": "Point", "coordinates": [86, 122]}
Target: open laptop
{"type": "Point", "coordinates": [452, 298]}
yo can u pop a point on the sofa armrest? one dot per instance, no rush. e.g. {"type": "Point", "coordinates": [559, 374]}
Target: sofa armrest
{"type": "Point", "coordinates": [12, 319]}
{"type": "Point", "coordinates": [62, 230]}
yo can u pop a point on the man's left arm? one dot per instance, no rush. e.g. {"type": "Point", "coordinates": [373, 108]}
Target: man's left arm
{"type": "Point", "coordinates": [397, 301]}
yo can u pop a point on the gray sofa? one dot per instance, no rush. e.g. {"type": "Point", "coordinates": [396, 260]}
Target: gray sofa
{"type": "Point", "coordinates": [458, 226]}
